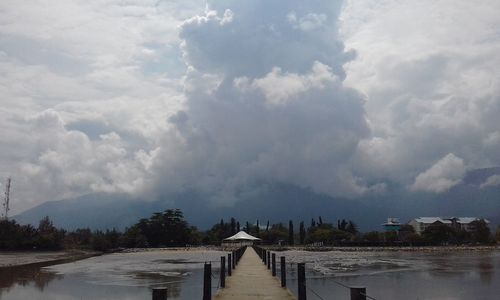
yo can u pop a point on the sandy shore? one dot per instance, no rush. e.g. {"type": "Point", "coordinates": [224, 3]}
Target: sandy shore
{"type": "Point", "coordinates": [388, 249]}
{"type": "Point", "coordinates": [20, 258]}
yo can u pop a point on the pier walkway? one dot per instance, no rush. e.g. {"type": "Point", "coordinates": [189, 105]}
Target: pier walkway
{"type": "Point", "coordinates": [252, 280]}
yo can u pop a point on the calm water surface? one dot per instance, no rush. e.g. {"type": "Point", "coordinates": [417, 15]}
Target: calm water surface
{"type": "Point", "coordinates": [387, 275]}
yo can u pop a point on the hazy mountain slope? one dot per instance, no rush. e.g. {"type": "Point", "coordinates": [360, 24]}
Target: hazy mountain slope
{"type": "Point", "coordinates": [276, 202]}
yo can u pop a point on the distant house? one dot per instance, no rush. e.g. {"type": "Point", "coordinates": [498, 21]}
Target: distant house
{"type": "Point", "coordinates": [465, 223]}
{"type": "Point", "coordinates": [392, 224]}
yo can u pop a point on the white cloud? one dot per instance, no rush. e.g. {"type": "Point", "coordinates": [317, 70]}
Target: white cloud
{"type": "Point", "coordinates": [84, 71]}
{"type": "Point", "coordinates": [255, 115]}
{"type": "Point", "coordinates": [428, 70]}
{"type": "Point", "coordinates": [442, 176]}
{"type": "Point", "coordinates": [493, 180]}
{"type": "Point", "coordinates": [125, 95]}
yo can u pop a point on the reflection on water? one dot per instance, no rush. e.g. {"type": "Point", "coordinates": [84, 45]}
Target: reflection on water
{"type": "Point", "coordinates": [387, 275]}
{"type": "Point", "coordinates": [115, 276]}
{"type": "Point", "coordinates": [408, 275]}
{"type": "Point", "coordinates": [25, 276]}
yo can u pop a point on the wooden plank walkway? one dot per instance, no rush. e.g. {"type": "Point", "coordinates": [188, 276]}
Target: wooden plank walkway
{"type": "Point", "coordinates": [252, 280]}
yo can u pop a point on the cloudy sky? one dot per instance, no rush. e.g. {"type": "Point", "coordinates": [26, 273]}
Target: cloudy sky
{"type": "Point", "coordinates": [155, 97]}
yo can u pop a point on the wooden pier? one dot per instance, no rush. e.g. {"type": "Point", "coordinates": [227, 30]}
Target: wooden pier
{"type": "Point", "coordinates": [252, 280]}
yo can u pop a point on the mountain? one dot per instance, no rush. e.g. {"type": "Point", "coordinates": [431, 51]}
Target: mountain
{"type": "Point", "coordinates": [277, 203]}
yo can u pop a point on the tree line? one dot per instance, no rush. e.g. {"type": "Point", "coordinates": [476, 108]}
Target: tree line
{"type": "Point", "coordinates": [170, 229]}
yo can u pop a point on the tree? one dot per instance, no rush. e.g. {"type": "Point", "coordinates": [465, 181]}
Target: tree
{"type": "Point", "coordinates": [248, 228]}
{"type": "Point", "coordinates": [372, 237]}
{"type": "Point", "coordinates": [290, 233]}
{"type": "Point", "coordinates": [163, 229]}
{"type": "Point", "coordinates": [342, 225]}
{"type": "Point", "coordinates": [320, 221]}
{"type": "Point", "coordinates": [480, 231]}
{"type": "Point", "coordinates": [351, 227]}
{"type": "Point", "coordinates": [326, 233]}
{"type": "Point", "coordinates": [302, 233]}
{"type": "Point", "coordinates": [238, 226]}
{"type": "Point", "coordinates": [49, 237]}
{"type": "Point", "coordinates": [313, 223]}
{"type": "Point", "coordinates": [267, 226]}
{"type": "Point", "coordinates": [438, 234]}
{"type": "Point", "coordinates": [276, 233]}
{"type": "Point", "coordinates": [233, 226]}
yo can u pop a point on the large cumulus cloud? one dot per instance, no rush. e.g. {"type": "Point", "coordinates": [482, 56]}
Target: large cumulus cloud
{"type": "Point", "coordinates": [265, 102]}
{"type": "Point", "coordinates": [429, 71]}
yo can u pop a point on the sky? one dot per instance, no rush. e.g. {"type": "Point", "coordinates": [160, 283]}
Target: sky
{"type": "Point", "coordinates": [344, 98]}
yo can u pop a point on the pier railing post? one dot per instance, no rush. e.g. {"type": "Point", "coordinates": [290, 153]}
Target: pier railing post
{"type": "Point", "coordinates": [273, 264]}
{"type": "Point", "coordinates": [264, 257]}
{"type": "Point", "coordinates": [283, 271]}
{"type": "Point", "coordinates": [207, 282]}
{"type": "Point", "coordinates": [358, 293]}
{"type": "Point", "coordinates": [268, 260]}
{"type": "Point", "coordinates": [159, 294]}
{"type": "Point", "coordinates": [301, 274]}
{"type": "Point", "coordinates": [229, 261]}
{"type": "Point", "coordinates": [234, 259]}
{"type": "Point", "coordinates": [222, 271]}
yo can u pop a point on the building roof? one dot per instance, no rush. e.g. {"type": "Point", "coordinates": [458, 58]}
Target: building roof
{"type": "Point", "coordinates": [430, 220]}
{"type": "Point", "coordinates": [468, 220]}
{"type": "Point", "coordinates": [242, 236]}
{"type": "Point", "coordinates": [392, 222]}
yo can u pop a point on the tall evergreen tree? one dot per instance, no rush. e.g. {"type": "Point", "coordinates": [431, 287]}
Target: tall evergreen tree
{"type": "Point", "coordinates": [302, 233]}
{"type": "Point", "coordinates": [267, 226]}
{"type": "Point", "coordinates": [238, 226]}
{"type": "Point", "coordinates": [290, 233]}
{"type": "Point", "coordinates": [248, 228]}
{"type": "Point", "coordinates": [233, 226]}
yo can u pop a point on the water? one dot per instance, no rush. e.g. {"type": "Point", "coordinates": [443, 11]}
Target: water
{"type": "Point", "coordinates": [386, 275]}
{"type": "Point", "coordinates": [116, 276]}
{"type": "Point", "coordinates": [399, 275]}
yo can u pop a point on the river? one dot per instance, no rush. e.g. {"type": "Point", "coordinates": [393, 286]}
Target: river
{"type": "Point", "coordinates": [386, 275]}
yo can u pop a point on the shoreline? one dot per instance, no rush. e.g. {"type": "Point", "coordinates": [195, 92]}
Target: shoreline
{"type": "Point", "coordinates": [385, 249]}
{"type": "Point", "coordinates": [14, 259]}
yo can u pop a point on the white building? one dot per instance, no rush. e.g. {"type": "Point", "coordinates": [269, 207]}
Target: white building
{"type": "Point", "coordinates": [465, 223]}
{"type": "Point", "coordinates": [240, 239]}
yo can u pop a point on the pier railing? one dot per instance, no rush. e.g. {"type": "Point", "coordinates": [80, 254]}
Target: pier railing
{"type": "Point", "coordinates": [226, 268]}
{"type": "Point", "coordinates": [269, 258]}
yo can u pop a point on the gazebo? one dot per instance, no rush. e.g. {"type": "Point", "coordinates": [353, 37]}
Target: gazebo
{"type": "Point", "coordinates": [240, 239]}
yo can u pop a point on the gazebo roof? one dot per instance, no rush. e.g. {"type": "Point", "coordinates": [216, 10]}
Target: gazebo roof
{"type": "Point", "coordinates": [242, 236]}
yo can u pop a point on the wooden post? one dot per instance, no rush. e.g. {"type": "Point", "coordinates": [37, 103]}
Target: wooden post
{"type": "Point", "coordinates": [273, 264]}
{"type": "Point", "coordinates": [358, 293]}
{"type": "Point", "coordinates": [301, 273]}
{"type": "Point", "coordinates": [207, 282]}
{"type": "Point", "coordinates": [222, 271]}
{"type": "Point", "coordinates": [264, 258]}
{"type": "Point", "coordinates": [229, 261]}
{"type": "Point", "coordinates": [159, 294]}
{"type": "Point", "coordinates": [283, 272]}
{"type": "Point", "coordinates": [234, 259]}
{"type": "Point", "coordinates": [268, 260]}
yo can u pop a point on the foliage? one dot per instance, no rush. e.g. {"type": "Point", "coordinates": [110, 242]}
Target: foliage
{"type": "Point", "coordinates": [165, 229]}
{"type": "Point", "coordinates": [480, 232]}
{"type": "Point", "coordinates": [327, 234]}
{"type": "Point", "coordinates": [276, 233]}
{"type": "Point", "coordinates": [302, 233]}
